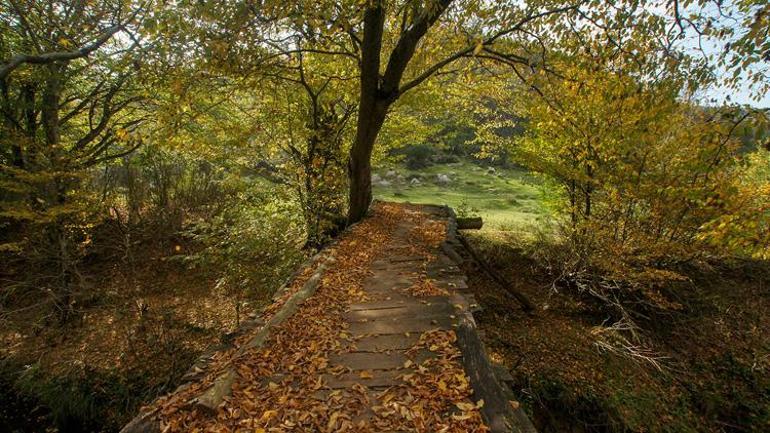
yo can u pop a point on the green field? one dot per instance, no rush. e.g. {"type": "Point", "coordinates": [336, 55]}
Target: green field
{"type": "Point", "coordinates": [506, 199]}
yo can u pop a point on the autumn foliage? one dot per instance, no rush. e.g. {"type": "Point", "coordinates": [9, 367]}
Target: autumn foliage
{"type": "Point", "coordinates": [648, 181]}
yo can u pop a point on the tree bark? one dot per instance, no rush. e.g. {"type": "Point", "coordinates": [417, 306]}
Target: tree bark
{"type": "Point", "coordinates": [360, 166]}
{"type": "Point", "coordinates": [371, 115]}
{"type": "Point", "coordinates": [50, 109]}
{"type": "Point", "coordinates": [379, 91]}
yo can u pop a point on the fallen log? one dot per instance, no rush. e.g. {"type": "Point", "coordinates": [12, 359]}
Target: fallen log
{"type": "Point", "coordinates": [526, 304]}
{"type": "Point", "coordinates": [470, 223]}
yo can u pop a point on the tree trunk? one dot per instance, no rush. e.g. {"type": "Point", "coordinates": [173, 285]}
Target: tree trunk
{"type": "Point", "coordinates": [371, 115]}
{"type": "Point", "coordinates": [379, 91]}
{"type": "Point", "coordinates": [360, 166]}
{"type": "Point", "coordinates": [50, 109]}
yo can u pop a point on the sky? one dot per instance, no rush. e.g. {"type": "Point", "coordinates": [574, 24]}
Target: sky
{"type": "Point", "coordinates": [742, 95]}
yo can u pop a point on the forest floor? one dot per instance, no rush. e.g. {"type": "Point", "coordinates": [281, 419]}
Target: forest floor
{"type": "Point", "coordinates": [132, 342]}
{"type": "Point", "coordinates": [714, 355]}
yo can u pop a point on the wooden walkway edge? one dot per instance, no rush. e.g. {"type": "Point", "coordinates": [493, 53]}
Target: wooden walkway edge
{"type": "Point", "coordinates": [498, 411]}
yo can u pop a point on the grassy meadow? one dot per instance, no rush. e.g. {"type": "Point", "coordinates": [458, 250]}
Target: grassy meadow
{"type": "Point", "coordinates": [506, 198]}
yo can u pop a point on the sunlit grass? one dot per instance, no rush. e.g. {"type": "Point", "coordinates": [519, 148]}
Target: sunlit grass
{"type": "Point", "coordinates": [508, 199]}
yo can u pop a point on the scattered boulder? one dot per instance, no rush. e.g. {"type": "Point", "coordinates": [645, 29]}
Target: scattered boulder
{"type": "Point", "coordinates": [383, 182]}
{"type": "Point", "coordinates": [415, 181]}
{"type": "Point", "coordinates": [443, 179]}
{"type": "Point", "coordinates": [491, 170]}
{"type": "Point", "coordinates": [391, 174]}
{"type": "Point", "coordinates": [376, 178]}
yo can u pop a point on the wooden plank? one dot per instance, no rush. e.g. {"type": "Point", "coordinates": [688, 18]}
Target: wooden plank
{"type": "Point", "coordinates": [379, 304]}
{"type": "Point", "coordinates": [369, 360]}
{"type": "Point", "coordinates": [389, 262]}
{"type": "Point", "coordinates": [441, 272]}
{"type": "Point", "coordinates": [395, 359]}
{"type": "Point", "coordinates": [389, 283]}
{"type": "Point", "coordinates": [407, 310]}
{"type": "Point", "coordinates": [384, 265]}
{"type": "Point", "coordinates": [390, 296]}
{"type": "Point", "coordinates": [452, 284]}
{"type": "Point", "coordinates": [394, 302]}
{"type": "Point", "coordinates": [370, 379]}
{"type": "Point", "coordinates": [402, 259]}
{"type": "Point", "coordinates": [400, 326]}
{"type": "Point", "coordinates": [378, 343]}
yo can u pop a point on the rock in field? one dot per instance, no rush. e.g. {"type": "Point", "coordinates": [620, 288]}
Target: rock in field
{"type": "Point", "coordinates": [443, 179]}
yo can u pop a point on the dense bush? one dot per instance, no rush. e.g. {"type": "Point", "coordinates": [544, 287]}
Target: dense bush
{"type": "Point", "coordinates": [251, 246]}
{"type": "Point", "coordinates": [642, 174]}
{"type": "Point", "coordinates": [418, 156]}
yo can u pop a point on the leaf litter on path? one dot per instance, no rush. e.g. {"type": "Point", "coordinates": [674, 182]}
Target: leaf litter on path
{"type": "Point", "coordinates": [280, 387]}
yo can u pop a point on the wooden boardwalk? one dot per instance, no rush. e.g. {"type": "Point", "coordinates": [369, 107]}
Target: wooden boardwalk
{"type": "Point", "coordinates": [411, 323]}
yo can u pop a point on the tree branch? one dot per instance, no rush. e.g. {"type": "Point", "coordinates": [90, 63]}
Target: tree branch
{"type": "Point", "coordinates": [58, 56]}
{"type": "Point", "coordinates": [485, 43]}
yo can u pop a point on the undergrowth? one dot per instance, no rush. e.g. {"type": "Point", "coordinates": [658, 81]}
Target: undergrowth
{"type": "Point", "coordinates": [712, 363]}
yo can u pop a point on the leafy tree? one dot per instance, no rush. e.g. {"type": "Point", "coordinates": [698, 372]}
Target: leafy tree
{"type": "Point", "coordinates": [642, 167]}
{"type": "Point", "coordinates": [743, 29]}
{"type": "Point", "coordinates": [389, 48]}
{"type": "Point", "coordinates": [68, 95]}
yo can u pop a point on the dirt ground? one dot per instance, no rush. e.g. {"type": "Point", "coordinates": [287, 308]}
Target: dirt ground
{"type": "Point", "coordinates": [713, 355]}
{"type": "Point", "coordinates": [131, 342]}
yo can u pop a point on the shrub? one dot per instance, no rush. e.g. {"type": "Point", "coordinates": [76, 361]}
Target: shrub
{"type": "Point", "coordinates": [252, 246]}
{"type": "Point", "coordinates": [418, 156]}
{"type": "Point", "coordinates": [640, 171]}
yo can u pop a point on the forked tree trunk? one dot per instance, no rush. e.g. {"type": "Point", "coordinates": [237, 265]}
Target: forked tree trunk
{"type": "Point", "coordinates": [371, 114]}
{"type": "Point", "coordinates": [380, 90]}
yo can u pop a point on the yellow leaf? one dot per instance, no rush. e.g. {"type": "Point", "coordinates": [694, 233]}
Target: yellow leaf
{"type": "Point", "coordinates": [268, 414]}
{"type": "Point", "coordinates": [332, 421]}
{"type": "Point", "coordinates": [478, 48]}
{"type": "Point", "coordinates": [465, 406]}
